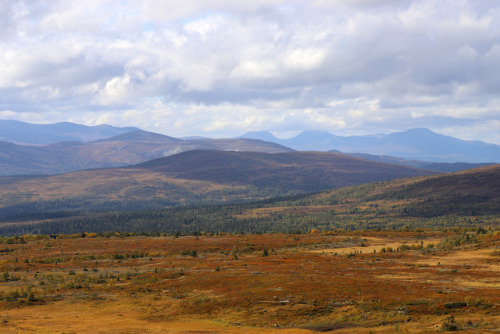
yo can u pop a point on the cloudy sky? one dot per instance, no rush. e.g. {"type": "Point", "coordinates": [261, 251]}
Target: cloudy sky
{"type": "Point", "coordinates": [223, 67]}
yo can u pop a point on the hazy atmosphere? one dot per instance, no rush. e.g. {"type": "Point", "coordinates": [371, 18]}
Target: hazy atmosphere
{"type": "Point", "coordinates": [221, 68]}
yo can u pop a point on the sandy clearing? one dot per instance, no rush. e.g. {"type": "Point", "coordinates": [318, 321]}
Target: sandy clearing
{"type": "Point", "coordinates": [466, 257]}
{"type": "Point", "coordinates": [376, 244]}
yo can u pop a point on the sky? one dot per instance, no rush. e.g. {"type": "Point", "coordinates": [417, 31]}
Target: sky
{"type": "Point", "coordinates": [220, 68]}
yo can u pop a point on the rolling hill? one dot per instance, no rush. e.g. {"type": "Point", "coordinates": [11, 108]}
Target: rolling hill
{"type": "Point", "coordinates": [468, 199]}
{"type": "Point", "coordinates": [306, 171]}
{"type": "Point", "coordinates": [470, 192]}
{"type": "Point", "coordinates": [189, 178]}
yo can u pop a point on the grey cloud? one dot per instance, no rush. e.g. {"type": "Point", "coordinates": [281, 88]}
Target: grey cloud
{"type": "Point", "coordinates": [366, 63]}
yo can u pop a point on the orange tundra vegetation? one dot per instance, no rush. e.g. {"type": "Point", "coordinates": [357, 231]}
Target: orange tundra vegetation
{"type": "Point", "coordinates": [419, 281]}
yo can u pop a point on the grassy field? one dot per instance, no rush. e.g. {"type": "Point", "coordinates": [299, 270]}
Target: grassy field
{"type": "Point", "coordinates": [419, 281]}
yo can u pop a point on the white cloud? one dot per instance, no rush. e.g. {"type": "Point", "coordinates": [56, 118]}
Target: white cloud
{"type": "Point", "coordinates": [207, 25]}
{"type": "Point", "coordinates": [256, 69]}
{"type": "Point", "coordinates": [304, 59]}
{"type": "Point", "coordinates": [181, 9]}
{"type": "Point", "coordinates": [354, 3]}
{"type": "Point", "coordinates": [222, 67]}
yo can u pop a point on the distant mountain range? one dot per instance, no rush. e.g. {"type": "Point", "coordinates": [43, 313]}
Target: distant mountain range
{"type": "Point", "coordinates": [414, 144]}
{"type": "Point", "coordinates": [437, 166]}
{"type": "Point", "coordinates": [42, 134]}
{"type": "Point", "coordinates": [125, 149]}
{"type": "Point", "coordinates": [66, 147]}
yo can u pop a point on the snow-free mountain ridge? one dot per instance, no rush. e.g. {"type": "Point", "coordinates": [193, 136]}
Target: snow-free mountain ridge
{"type": "Point", "coordinates": [75, 147]}
{"type": "Point", "coordinates": [125, 149]}
{"type": "Point", "coordinates": [413, 144]}
{"type": "Point", "coordinates": [42, 134]}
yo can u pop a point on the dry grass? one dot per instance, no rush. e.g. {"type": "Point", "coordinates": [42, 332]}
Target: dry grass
{"type": "Point", "coordinates": [225, 284]}
{"type": "Point", "coordinates": [115, 184]}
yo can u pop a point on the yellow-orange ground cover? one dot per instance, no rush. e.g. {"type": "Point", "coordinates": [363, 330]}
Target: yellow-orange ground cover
{"type": "Point", "coordinates": [339, 282]}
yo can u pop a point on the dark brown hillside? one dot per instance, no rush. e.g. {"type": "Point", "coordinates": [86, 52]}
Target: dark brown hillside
{"type": "Point", "coordinates": [307, 171]}
{"type": "Point", "coordinates": [470, 193]}
{"type": "Point", "coordinates": [194, 177]}
{"type": "Point", "coordinates": [483, 181]}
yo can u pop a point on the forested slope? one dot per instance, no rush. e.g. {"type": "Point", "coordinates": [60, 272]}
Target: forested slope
{"type": "Point", "coordinates": [465, 199]}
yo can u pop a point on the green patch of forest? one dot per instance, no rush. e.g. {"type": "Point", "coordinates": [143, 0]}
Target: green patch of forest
{"type": "Point", "coordinates": [347, 209]}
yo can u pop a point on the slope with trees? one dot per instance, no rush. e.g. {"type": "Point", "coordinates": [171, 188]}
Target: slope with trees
{"type": "Point", "coordinates": [468, 199]}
